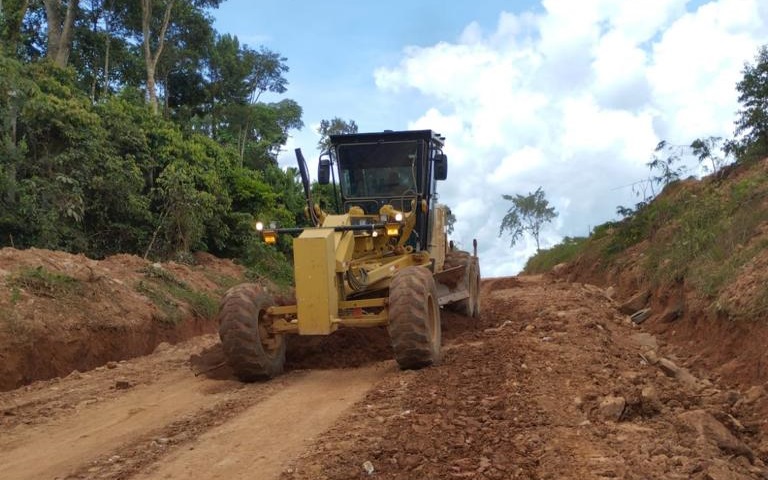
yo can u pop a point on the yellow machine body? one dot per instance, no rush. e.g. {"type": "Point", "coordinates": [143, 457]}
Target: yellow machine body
{"type": "Point", "coordinates": [316, 291]}
{"type": "Point", "coordinates": [332, 268]}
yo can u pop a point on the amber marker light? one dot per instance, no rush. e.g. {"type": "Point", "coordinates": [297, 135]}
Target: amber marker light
{"type": "Point", "coordinates": [393, 229]}
{"type": "Point", "coordinates": [270, 237]}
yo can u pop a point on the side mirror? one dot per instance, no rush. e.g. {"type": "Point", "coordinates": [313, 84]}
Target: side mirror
{"type": "Point", "coordinates": [324, 171]}
{"type": "Point", "coordinates": [441, 166]}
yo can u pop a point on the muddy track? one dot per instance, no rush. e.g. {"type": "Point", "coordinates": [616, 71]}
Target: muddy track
{"type": "Point", "coordinates": [551, 382]}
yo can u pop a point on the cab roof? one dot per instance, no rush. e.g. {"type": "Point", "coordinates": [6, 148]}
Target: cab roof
{"type": "Point", "coordinates": [389, 136]}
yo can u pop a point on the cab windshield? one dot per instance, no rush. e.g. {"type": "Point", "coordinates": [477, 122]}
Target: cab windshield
{"type": "Point", "coordinates": [378, 170]}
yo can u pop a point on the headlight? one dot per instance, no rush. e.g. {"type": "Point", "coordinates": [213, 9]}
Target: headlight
{"type": "Point", "coordinates": [399, 217]}
{"type": "Point", "coordinates": [259, 226]}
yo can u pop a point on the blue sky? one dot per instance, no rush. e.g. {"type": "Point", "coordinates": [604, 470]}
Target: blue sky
{"type": "Point", "coordinates": [333, 47]}
{"type": "Point", "coordinates": [564, 95]}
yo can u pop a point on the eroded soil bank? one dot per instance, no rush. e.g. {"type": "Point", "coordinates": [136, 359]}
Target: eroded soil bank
{"type": "Point", "coordinates": [61, 312]}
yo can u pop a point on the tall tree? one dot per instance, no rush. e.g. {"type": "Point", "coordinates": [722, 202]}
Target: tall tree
{"type": "Point", "coordinates": [61, 24]}
{"type": "Point", "coordinates": [752, 123]}
{"type": "Point", "coordinates": [528, 213]}
{"type": "Point", "coordinates": [334, 126]}
{"type": "Point", "coordinates": [237, 77]}
{"type": "Point", "coordinates": [152, 55]}
{"type": "Point", "coordinates": [155, 26]}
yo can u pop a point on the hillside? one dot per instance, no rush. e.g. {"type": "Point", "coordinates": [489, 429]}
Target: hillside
{"type": "Point", "coordinates": [697, 257]}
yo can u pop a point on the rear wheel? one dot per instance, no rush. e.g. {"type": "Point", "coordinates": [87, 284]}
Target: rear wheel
{"type": "Point", "coordinates": [253, 352]}
{"type": "Point", "coordinates": [414, 318]}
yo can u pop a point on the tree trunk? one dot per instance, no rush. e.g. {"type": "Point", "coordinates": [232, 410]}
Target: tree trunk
{"type": "Point", "coordinates": [150, 57]}
{"type": "Point", "coordinates": [54, 27]}
{"type": "Point", "coordinates": [60, 32]}
{"type": "Point", "coordinates": [108, 18]}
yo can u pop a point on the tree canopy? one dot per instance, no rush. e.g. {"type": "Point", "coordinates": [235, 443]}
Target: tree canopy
{"type": "Point", "coordinates": [334, 126]}
{"type": "Point", "coordinates": [527, 214]}
{"type": "Point", "coordinates": [752, 120]}
{"type": "Point", "coordinates": [137, 127]}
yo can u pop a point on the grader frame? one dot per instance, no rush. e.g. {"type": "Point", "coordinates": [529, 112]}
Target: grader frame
{"type": "Point", "coordinates": [381, 260]}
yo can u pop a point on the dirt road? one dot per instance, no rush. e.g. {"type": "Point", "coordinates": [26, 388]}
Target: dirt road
{"type": "Point", "coordinates": [551, 382]}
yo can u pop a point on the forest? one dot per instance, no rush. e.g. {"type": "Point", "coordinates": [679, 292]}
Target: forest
{"type": "Point", "coordinates": [135, 127]}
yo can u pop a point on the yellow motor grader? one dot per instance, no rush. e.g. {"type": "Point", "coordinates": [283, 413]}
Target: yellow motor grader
{"type": "Point", "coordinates": [382, 260]}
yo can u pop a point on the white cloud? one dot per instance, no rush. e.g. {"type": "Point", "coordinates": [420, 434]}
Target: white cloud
{"type": "Point", "coordinates": [573, 99]}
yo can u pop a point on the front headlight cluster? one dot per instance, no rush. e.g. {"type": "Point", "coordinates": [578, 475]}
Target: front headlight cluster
{"type": "Point", "coordinates": [393, 228]}
{"type": "Point", "coordinates": [269, 235]}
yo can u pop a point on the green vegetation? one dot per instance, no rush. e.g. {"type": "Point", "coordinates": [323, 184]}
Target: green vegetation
{"type": "Point", "coordinates": [168, 293]}
{"type": "Point", "coordinates": [527, 214]}
{"type": "Point", "coordinates": [565, 251]}
{"type": "Point", "coordinates": [136, 127]}
{"type": "Point", "coordinates": [15, 295]}
{"type": "Point", "coordinates": [42, 282]}
{"type": "Point", "coordinates": [334, 126]}
{"type": "Point", "coordinates": [751, 142]}
{"type": "Point", "coordinates": [224, 282]}
{"type": "Point", "coordinates": [267, 263]}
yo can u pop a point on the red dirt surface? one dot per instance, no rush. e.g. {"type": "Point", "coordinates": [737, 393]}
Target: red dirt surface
{"type": "Point", "coordinates": [531, 398]}
{"type": "Point", "coordinates": [49, 333]}
{"type": "Point", "coordinates": [552, 382]}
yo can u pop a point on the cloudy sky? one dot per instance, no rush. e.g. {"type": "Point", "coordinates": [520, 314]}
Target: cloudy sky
{"type": "Point", "coordinates": [564, 95]}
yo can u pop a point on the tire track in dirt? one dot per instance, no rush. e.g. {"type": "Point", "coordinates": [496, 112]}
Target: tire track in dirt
{"type": "Point", "coordinates": [261, 439]}
{"type": "Point", "coordinates": [83, 427]}
{"type": "Point", "coordinates": [48, 451]}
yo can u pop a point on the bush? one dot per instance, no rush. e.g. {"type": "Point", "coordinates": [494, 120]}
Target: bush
{"type": "Point", "coordinates": [564, 251]}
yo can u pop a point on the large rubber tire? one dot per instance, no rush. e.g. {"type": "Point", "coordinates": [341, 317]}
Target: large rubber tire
{"type": "Point", "coordinates": [250, 350]}
{"type": "Point", "coordinates": [469, 306]}
{"type": "Point", "coordinates": [414, 318]}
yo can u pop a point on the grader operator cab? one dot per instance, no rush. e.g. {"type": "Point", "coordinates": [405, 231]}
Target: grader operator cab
{"type": "Point", "coordinates": [381, 260]}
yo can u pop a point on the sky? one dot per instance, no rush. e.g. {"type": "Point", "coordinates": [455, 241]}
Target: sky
{"type": "Point", "coordinates": [569, 96]}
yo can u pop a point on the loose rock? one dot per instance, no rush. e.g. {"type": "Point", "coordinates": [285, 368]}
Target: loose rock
{"type": "Point", "coordinates": [635, 303]}
{"type": "Point", "coordinates": [715, 433]}
{"type": "Point", "coordinates": [122, 384]}
{"type": "Point", "coordinates": [611, 408]}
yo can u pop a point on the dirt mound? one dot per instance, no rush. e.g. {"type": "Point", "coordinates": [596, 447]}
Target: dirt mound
{"type": "Point", "coordinates": [553, 386]}
{"type": "Point", "coordinates": [61, 312]}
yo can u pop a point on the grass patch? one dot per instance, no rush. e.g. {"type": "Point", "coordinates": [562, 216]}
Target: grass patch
{"type": "Point", "coordinates": [263, 262]}
{"type": "Point", "coordinates": [690, 238]}
{"type": "Point", "coordinates": [44, 283]}
{"type": "Point", "coordinates": [565, 251]}
{"type": "Point", "coordinates": [225, 282]}
{"type": "Point", "coordinates": [168, 293]}
{"type": "Point", "coordinates": [701, 232]}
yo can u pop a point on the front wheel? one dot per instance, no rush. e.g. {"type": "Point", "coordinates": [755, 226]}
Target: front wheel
{"type": "Point", "coordinates": [414, 318]}
{"type": "Point", "coordinates": [251, 349]}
